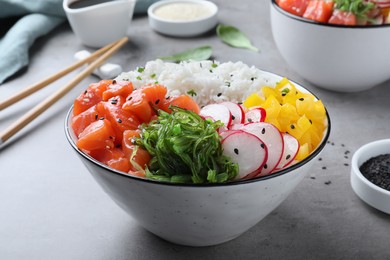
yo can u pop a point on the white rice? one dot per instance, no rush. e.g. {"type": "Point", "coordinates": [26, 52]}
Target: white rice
{"type": "Point", "coordinates": [212, 81]}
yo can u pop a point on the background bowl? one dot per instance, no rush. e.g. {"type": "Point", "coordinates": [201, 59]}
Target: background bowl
{"type": "Point", "coordinates": [197, 215]}
{"type": "Point", "coordinates": [372, 194]}
{"type": "Point", "coordinates": [339, 58]}
{"type": "Point", "coordinates": [183, 28]}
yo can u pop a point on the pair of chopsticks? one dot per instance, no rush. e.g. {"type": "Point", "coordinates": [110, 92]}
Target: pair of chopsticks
{"type": "Point", "coordinates": [94, 60]}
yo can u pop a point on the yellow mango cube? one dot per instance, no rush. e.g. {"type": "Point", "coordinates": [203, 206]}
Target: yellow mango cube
{"type": "Point", "coordinates": [303, 152]}
{"type": "Point", "coordinates": [253, 100]}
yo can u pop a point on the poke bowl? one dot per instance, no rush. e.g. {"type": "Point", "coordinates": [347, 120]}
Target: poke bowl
{"type": "Point", "coordinates": [182, 192]}
{"type": "Point", "coordinates": [338, 54]}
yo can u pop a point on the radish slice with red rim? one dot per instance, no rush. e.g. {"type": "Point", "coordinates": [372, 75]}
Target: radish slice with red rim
{"type": "Point", "coordinates": [247, 150]}
{"type": "Point", "coordinates": [272, 138]}
{"type": "Point", "coordinates": [255, 115]}
{"type": "Point", "coordinates": [217, 112]}
{"type": "Point", "coordinates": [226, 133]}
{"type": "Point", "coordinates": [291, 147]}
{"type": "Point", "coordinates": [236, 110]}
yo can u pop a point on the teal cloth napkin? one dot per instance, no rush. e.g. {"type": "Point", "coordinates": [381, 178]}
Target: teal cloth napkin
{"type": "Point", "coordinates": [35, 18]}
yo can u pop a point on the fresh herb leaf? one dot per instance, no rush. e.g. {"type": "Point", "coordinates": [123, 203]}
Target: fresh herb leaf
{"type": "Point", "coordinates": [185, 148]}
{"type": "Point", "coordinates": [197, 54]}
{"type": "Point", "coordinates": [234, 37]}
{"type": "Point", "coordinates": [140, 69]}
{"type": "Point", "coordinates": [191, 92]}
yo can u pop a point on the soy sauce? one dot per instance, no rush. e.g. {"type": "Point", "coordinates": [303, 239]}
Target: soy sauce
{"type": "Point", "coordinates": [85, 3]}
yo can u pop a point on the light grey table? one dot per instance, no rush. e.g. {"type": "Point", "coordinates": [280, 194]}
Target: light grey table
{"type": "Point", "coordinates": [51, 208]}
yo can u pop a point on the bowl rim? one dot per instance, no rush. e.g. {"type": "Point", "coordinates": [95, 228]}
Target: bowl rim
{"type": "Point", "coordinates": [302, 19]}
{"type": "Point", "coordinates": [284, 171]}
{"type": "Point", "coordinates": [212, 6]}
{"type": "Point", "coordinates": [355, 161]}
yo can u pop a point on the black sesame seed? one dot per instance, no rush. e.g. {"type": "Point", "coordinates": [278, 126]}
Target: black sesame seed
{"type": "Point", "coordinates": [114, 101]}
{"type": "Point", "coordinates": [119, 121]}
{"type": "Point", "coordinates": [219, 94]}
{"type": "Point", "coordinates": [377, 170]}
{"type": "Point", "coordinates": [292, 126]}
{"type": "Point", "coordinates": [233, 117]}
{"type": "Point", "coordinates": [324, 167]}
{"type": "Point", "coordinates": [129, 98]}
{"type": "Point", "coordinates": [157, 101]}
{"type": "Point", "coordinates": [102, 118]}
{"type": "Point", "coordinates": [301, 99]}
{"type": "Point", "coordinates": [168, 97]}
{"type": "Point", "coordinates": [96, 117]}
{"type": "Point", "coordinates": [236, 151]}
{"type": "Point", "coordinates": [346, 164]}
{"type": "Point", "coordinates": [328, 182]}
{"type": "Point", "coordinates": [288, 156]}
{"type": "Point", "coordinates": [250, 120]}
{"type": "Point", "coordinates": [114, 81]}
{"type": "Point", "coordinates": [85, 92]}
{"type": "Point", "coordinates": [262, 146]}
{"type": "Point", "coordinates": [265, 166]}
{"type": "Point", "coordinates": [263, 131]}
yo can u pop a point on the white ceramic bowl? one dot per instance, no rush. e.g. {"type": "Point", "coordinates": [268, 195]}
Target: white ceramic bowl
{"type": "Point", "coordinates": [372, 194]}
{"type": "Point", "coordinates": [179, 27]}
{"type": "Point", "coordinates": [197, 215]}
{"type": "Point", "coordinates": [101, 24]}
{"type": "Point", "coordinates": [338, 58]}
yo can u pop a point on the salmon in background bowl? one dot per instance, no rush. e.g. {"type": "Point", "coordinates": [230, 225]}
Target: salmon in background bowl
{"type": "Point", "coordinates": [343, 58]}
{"type": "Point", "coordinates": [208, 212]}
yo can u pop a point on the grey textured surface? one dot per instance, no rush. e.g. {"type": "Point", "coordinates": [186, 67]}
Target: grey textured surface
{"type": "Point", "coordinates": [51, 208]}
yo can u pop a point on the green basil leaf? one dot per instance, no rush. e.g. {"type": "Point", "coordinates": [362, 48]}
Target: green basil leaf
{"type": "Point", "coordinates": [234, 37]}
{"type": "Point", "coordinates": [197, 54]}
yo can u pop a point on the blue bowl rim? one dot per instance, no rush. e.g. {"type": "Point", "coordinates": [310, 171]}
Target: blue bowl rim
{"type": "Point", "coordinates": [205, 185]}
{"type": "Point", "coordinates": [301, 19]}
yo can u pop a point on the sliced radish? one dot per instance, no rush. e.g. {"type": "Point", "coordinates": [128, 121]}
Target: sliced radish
{"type": "Point", "coordinates": [222, 129]}
{"type": "Point", "coordinates": [236, 110]}
{"type": "Point", "coordinates": [272, 138]}
{"type": "Point", "coordinates": [245, 149]}
{"type": "Point", "coordinates": [291, 147]}
{"type": "Point", "coordinates": [226, 133]}
{"type": "Point", "coordinates": [255, 115]}
{"type": "Point", "coordinates": [218, 112]}
{"type": "Point", "coordinates": [236, 126]}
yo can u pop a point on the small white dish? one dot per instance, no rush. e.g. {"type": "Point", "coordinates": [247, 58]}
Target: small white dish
{"type": "Point", "coordinates": [100, 24]}
{"type": "Point", "coordinates": [370, 193]}
{"type": "Point", "coordinates": [183, 18]}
